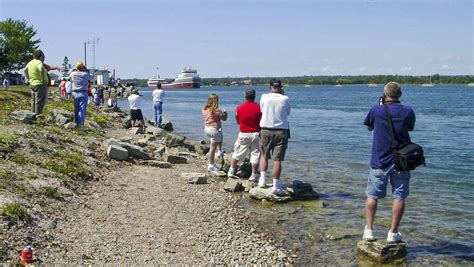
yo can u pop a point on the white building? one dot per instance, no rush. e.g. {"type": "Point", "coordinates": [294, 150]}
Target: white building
{"type": "Point", "coordinates": [101, 77]}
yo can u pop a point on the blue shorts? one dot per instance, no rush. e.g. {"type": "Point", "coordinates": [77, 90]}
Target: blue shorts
{"type": "Point", "coordinates": [378, 180]}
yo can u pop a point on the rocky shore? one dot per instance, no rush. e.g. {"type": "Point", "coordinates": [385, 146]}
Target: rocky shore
{"type": "Point", "coordinates": [102, 193]}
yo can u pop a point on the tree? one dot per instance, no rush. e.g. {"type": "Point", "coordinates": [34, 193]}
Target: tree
{"type": "Point", "coordinates": [66, 67]}
{"type": "Point", "coordinates": [17, 44]}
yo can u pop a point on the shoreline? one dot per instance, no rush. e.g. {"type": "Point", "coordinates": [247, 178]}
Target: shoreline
{"type": "Point", "coordinates": [65, 199]}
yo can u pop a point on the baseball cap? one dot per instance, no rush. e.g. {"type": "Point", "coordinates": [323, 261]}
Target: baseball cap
{"type": "Point", "coordinates": [393, 89]}
{"type": "Point", "coordinates": [275, 83]}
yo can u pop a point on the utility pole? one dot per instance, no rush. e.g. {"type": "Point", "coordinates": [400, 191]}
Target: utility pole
{"type": "Point", "coordinates": [85, 54]}
{"type": "Point", "coordinates": [93, 41]}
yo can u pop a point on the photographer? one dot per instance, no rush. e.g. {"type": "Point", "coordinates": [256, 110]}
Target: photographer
{"type": "Point", "coordinates": [382, 168]}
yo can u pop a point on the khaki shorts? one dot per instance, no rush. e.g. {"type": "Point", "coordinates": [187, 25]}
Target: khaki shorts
{"type": "Point", "coordinates": [273, 143]}
{"type": "Point", "coordinates": [247, 143]}
{"type": "Point", "coordinates": [214, 134]}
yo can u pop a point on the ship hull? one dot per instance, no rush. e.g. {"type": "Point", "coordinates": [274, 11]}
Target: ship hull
{"type": "Point", "coordinates": [187, 85]}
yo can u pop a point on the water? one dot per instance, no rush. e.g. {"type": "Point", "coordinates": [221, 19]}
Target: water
{"type": "Point", "coordinates": [330, 148]}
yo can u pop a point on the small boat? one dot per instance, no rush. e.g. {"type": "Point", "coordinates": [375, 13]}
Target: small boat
{"type": "Point", "coordinates": [470, 84]}
{"type": "Point", "coordinates": [372, 85]}
{"type": "Point", "coordinates": [427, 84]}
{"type": "Point", "coordinates": [338, 85]}
{"type": "Point", "coordinates": [307, 85]}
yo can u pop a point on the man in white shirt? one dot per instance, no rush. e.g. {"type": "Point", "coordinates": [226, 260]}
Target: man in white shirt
{"type": "Point", "coordinates": [135, 108]}
{"type": "Point", "coordinates": [68, 88]}
{"type": "Point", "coordinates": [158, 95]}
{"type": "Point", "coordinates": [275, 109]}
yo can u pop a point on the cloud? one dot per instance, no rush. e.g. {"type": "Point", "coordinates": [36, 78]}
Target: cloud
{"type": "Point", "coordinates": [406, 69]}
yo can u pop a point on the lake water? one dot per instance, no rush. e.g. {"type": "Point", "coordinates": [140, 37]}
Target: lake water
{"type": "Point", "coordinates": [330, 148]}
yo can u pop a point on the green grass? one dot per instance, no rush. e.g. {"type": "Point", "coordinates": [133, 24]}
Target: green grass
{"type": "Point", "coordinates": [99, 118]}
{"type": "Point", "coordinates": [15, 210]}
{"type": "Point", "coordinates": [51, 192]}
{"type": "Point", "coordinates": [6, 174]}
{"type": "Point", "coordinates": [68, 165]}
{"type": "Point", "coordinates": [18, 159]}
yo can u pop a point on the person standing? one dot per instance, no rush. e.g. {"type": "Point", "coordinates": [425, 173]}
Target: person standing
{"type": "Point", "coordinates": [248, 117]}
{"type": "Point", "coordinates": [62, 87]}
{"type": "Point", "coordinates": [213, 115]}
{"type": "Point", "coordinates": [381, 163]}
{"type": "Point", "coordinates": [274, 135]}
{"type": "Point", "coordinates": [37, 75]}
{"type": "Point", "coordinates": [6, 83]}
{"type": "Point", "coordinates": [158, 95]}
{"type": "Point", "coordinates": [80, 78]}
{"type": "Point", "coordinates": [135, 108]}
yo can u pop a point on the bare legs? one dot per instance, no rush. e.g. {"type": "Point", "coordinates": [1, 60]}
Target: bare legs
{"type": "Point", "coordinates": [397, 212]}
{"type": "Point", "coordinates": [212, 151]}
{"type": "Point", "coordinates": [276, 168]}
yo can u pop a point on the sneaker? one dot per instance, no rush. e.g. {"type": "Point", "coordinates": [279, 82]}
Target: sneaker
{"type": "Point", "coordinates": [262, 182]}
{"type": "Point", "coordinates": [253, 178]}
{"type": "Point", "coordinates": [393, 237]}
{"type": "Point", "coordinates": [278, 191]}
{"type": "Point", "coordinates": [368, 234]}
{"type": "Point", "coordinates": [220, 154]}
{"type": "Point", "coordinates": [212, 167]}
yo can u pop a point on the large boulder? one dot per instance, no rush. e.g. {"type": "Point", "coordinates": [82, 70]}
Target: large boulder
{"type": "Point", "coordinates": [156, 131]}
{"type": "Point", "coordinates": [24, 116]}
{"type": "Point", "coordinates": [110, 141]}
{"type": "Point", "coordinates": [127, 122]}
{"type": "Point", "coordinates": [137, 130]}
{"type": "Point", "coordinates": [233, 185]}
{"type": "Point", "coordinates": [173, 159]}
{"type": "Point", "coordinates": [158, 164]}
{"type": "Point", "coordinates": [173, 140]}
{"type": "Point", "coordinates": [381, 251]}
{"type": "Point", "coordinates": [117, 152]}
{"type": "Point", "coordinates": [260, 193]}
{"type": "Point", "coordinates": [62, 116]}
{"type": "Point", "coordinates": [135, 151]}
{"type": "Point", "coordinates": [297, 190]}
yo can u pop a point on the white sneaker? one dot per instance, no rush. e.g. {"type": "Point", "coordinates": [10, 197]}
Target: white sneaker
{"type": "Point", "coordinates": [262, 182]}
{"type": "Point", "coordinates": [368, 234]}
{"type": "Point", "coordinates": [253, 178]}
{"type": "Point", "coordinates": [393, 237]}
{"type": "Point", "coordinates": [220, 154]}
{"type": "Point", "coordinates": [278, 191]}
{"type": "Point", "coordinates": [212, 167]}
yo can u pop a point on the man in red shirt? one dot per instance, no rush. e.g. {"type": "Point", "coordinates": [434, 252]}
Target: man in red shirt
{"type": "Point", "coordinates": [248, 117]}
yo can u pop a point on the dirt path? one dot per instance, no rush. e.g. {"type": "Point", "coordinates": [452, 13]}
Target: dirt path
{"type": "Point", "coordinates": [145, 215]}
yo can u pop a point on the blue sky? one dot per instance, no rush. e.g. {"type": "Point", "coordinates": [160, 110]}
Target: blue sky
{"type": "Point", "coordinates": [256, 38]}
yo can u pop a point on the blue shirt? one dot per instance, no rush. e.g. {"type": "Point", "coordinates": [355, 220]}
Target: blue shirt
{"type": "Point", "coordinates": [403, 119]}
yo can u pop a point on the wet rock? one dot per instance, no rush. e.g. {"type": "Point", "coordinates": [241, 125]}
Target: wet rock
{"type": "Point", "coordinates": [301, 191]}
{"type": "Point", "coordinates": [135, 151]}
{"type": "Point", "coordinates": [166, 125]}
{"type": "Point", "coordinates": [159, 164]}
{"type": "Point", "coordinates": [266, 193]}
{"type": "Point", "coordinates": [194, 177]}
{"type": "Point", "coordinates": [382, 251]}
{"type": "Point", "coordinates": [117, 152]}
{"type": "Point", "coordinates": [137, 130]}
{"type": "Point", "coordinates": [176, 159]}
{"type": "Point", "coordinates": [70, 125]}
{"type": "Point", "coordinates": [233, 185]}
{"type": "Point", "coordinates": [24, 116]}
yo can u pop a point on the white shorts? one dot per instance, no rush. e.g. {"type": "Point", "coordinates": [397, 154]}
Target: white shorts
{"type": "Point", "coordinates": [247, 143]}
{"type": "Point", "coordinates": [214, 134]}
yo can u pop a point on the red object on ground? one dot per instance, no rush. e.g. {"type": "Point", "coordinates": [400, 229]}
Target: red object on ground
{"type": "Point", "coordinates": [27, 255]}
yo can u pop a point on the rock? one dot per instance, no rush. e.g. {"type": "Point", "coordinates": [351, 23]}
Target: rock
{"type": "Point", "coordinates": [176, 159]}
{"type": "Point", "coordinates": [24, 116]}
{"type": "Point", "coordinates": [135, 151]}
{"type": "Point", "coordinates": [194, 177]}
{"type": "Point", "coordinates": [218, 174]}
{"type": "Point", "coordinates": [110, 141]}
{"type": "Point", "coordinates": [166, 125]}
{"type": "Point", "coordinates": [233, 185]}
{"type": "Point", "coordinates": [173, 140]}
{"type": "Point", "coordinates": [93, 124]}
{"type": "Point", "coordinates": [142, 142]}
{"type": "Point", "coordinates": [301, 191]}
{"type": "Point", "coordinates": [155, 131]}
{"type": "Point", "coordinates": [127, 122]}
{"type": "Point", "coordinates": [137, 130]}
{"type": "Point", "coordinates": [159, 152]}
{"type": "Point", "coordinates": [62, 116]}
{"type": "Point", "coordinates": [382, 251]}
{"type": "Point", "coordinates": [159, 164]}
{"type": "Point", "coordinates": [70, 125]}
{"type": "Point", "coordinates": [117, 152]}
{"type": "Point", "coordinates": [266, 193]}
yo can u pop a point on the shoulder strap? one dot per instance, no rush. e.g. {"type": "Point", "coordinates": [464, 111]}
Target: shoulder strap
{"type": "Point", "coordinates": [390, 126]}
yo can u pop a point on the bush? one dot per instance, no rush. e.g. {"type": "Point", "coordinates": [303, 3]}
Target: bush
{"type": "Point", "coordinates": [16, 210]}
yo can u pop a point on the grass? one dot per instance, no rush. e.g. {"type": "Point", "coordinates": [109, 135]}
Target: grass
{"type": "Point", "coordinates": [68, 165]}
{"type": "Point", "coordinates": [51, 192]}
{"type": "Point", "coordinates": [6, 174]}
{"type": "Point", "coordinates": [15, 210]}
{"type": "Point", "coordinates": [18, 159]}
{"type": "Point", "coordinates": [99, 118]}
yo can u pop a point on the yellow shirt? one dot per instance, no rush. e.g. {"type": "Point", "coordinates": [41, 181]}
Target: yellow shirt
{"type": "Point", "coordinates": [34, 67]}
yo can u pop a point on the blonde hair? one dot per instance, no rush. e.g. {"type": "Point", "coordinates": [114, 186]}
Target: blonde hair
{"type": "Point", "coordinates": [212, 103]}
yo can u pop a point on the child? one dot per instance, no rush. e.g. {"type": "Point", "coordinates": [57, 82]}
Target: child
{"type": "Point", "coordinates": [213, 128]}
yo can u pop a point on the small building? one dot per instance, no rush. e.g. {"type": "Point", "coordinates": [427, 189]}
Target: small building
{"type": "Point", "coordinates": [101, 77]}
{"type": "Point", "coordinates": [54, 79]}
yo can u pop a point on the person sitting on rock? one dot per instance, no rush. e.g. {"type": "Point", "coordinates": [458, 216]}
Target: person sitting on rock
{"type": "Point", "coordinates": [213, 127]}
{"type": "Point", "coordinates": [248, 117]}
{"type": "Point", "coordinates": [135, 108]}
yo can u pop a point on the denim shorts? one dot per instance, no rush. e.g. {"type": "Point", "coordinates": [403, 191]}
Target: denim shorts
{"type": "Point", "coordinates": [378, 180]}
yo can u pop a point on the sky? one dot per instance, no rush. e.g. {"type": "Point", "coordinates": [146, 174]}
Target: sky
{"type": "Point", "coordinates": [255, 38]}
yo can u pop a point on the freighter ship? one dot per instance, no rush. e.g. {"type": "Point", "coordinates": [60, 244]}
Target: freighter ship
{"type": "Point", "coordinates": [187, 79]}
